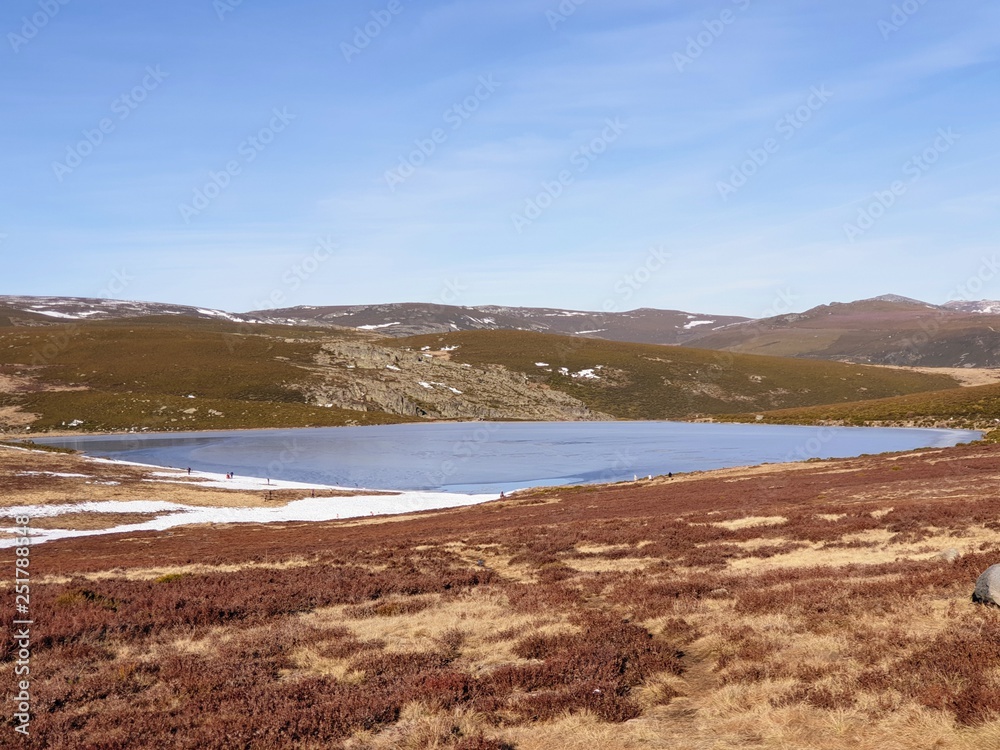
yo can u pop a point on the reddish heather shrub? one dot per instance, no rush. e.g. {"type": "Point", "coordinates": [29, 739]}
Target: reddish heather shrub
{"type": "Point", "coordinates": [553, 573]}
{"type": "Point", "coordinates": [543, 598]}
{"type": "Point", "coordinates": [953, 672]}
{"type": "Point", "coordinates": [479, 742]}
{"type": "Point", "coordinates": [647, 599]}
{"type": "Point", "coordinates": [133, 609]}
{"type": "Point", "coordinates": [382, 664]}
{"type": "Point", "coordinates": [447, 689]}
{"type": "Point", "coordinates": [978, 702]}
{"type": "Point", "coordinates": [599, 698]}
{"type": "Point", "coordinates": [593, 670]}
{"type": "Point", "coordinates": [393, 608]}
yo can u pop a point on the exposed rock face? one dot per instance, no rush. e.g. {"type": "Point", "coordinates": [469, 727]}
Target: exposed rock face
{"type": "Point", "coordinates": [367, 377]}
{"type": "Point", "coordinates": [988, 587]}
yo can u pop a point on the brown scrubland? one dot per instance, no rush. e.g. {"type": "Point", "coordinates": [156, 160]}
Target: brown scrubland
{"type": "Point", "coordinates": [795, 606]}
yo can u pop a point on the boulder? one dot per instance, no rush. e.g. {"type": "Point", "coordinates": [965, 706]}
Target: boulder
{"type": "Point", "coordinates": [988, 587]}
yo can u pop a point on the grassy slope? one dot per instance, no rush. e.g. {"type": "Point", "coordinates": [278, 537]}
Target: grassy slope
{"type": "Point", "coordinates": [881, 333]}
{"type": "Point", "coordinates": [658, 382]}
{"type": "Point", "coordinates": [977, 407]}
{"type": "Point", "coordinates": [139, 373]}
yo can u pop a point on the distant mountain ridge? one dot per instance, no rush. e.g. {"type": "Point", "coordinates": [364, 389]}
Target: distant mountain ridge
{"type": "Point", "coordinates": [55, 309]}
{"type": "Point", "coordinates": [888, 329]}
{"type": "Point", "coordinates": [643, 326]}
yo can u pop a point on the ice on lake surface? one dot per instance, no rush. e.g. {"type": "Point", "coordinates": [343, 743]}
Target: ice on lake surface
{"type": "Point", "coordinates": [483, 457]}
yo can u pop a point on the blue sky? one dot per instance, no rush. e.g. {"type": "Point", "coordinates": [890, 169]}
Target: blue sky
{"type": "Point", "coordinates": [733, 156]}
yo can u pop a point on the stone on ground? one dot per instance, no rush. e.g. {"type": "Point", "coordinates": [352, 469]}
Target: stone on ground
{"type": "Point", "coordinates": [988, 587]}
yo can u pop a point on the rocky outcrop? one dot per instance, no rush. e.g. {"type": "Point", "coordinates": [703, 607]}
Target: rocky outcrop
{"type": "Point", "coordinates": [364, 376]}
{"type": "Point", "coordinates": [988, 587]}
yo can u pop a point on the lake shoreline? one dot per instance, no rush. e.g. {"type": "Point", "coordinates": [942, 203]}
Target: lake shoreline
{"type": "Point", "coordinates": [274, 500]}
{"type": "Point", "coordinates": [910, 424]}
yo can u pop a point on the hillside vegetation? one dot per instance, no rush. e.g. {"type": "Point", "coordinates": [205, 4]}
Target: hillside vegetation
{"type": "Point", "coordinates": [161, 374]}
{"type": "Point", "coordinates": [644, 381]}
{"type": "Point", "coordinates": [140, 374]}
{"type": "Point", "coordinates": [889, 330]}
{"type": "Point", "coordinates": [164, 374]}
{"type": "Point", "coordinates": [973, 408]}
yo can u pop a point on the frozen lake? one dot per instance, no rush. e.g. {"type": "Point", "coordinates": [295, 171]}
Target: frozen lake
{"type": "Point", "coordinates": [487, 457]}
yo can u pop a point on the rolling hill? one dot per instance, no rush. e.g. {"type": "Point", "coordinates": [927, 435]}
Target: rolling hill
{"type": "Point", "coordinates": [158, 373]}
{"type": "Point", "coordinates": [642, 381]}
{"type": "Point", "coordinates": [172, 373]}
{"type": "Point", "coordinates": [888, 330]}
{"type": "Point", "coordinates": [977, 407]}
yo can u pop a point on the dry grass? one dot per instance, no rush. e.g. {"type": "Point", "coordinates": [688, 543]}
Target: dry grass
{"type": "Point", "coordinates": [750, 522]}
{"type": "Point", "coordinates": [470, 625]}
{"type": "Point", "coordinates": [175, 571]}
{"type": "Point", "coordinates": [966, 377]}
{"type": "Point", "coordinates": [85, 521]}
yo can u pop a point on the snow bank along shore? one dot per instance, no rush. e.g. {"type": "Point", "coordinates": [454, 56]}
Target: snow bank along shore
{"type": "Point", "coordinates": [169, 515]}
